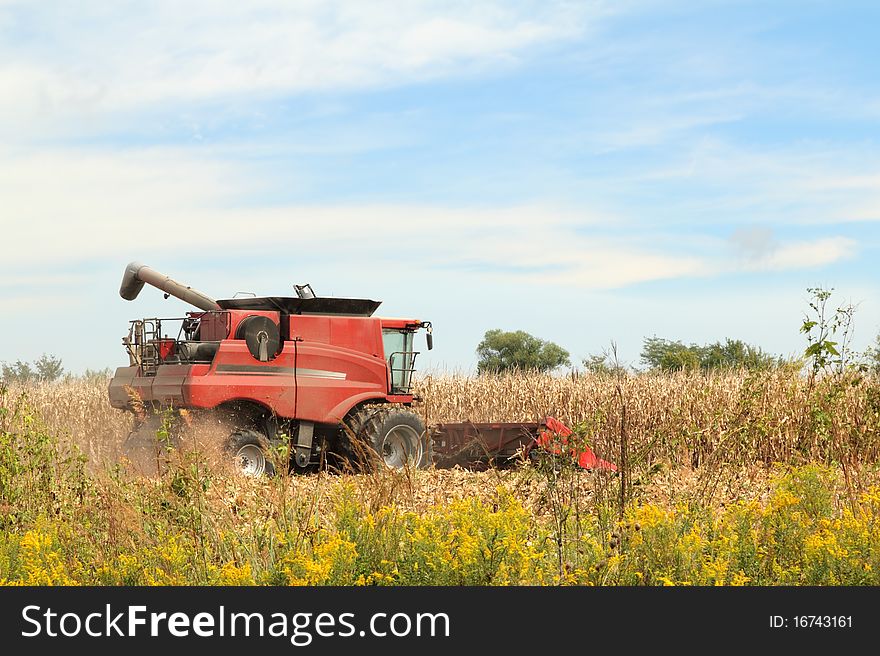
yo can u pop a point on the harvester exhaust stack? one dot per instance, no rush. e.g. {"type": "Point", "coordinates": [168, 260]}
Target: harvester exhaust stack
{"type": "Point", "coordinates": [136, 274]}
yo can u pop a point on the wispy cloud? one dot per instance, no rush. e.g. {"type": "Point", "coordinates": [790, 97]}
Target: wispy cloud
{"type": "Point", "coordinates": [63, 63]}
{"type": "Point", "coordinates": [759, 248]}
{"type": "Point", "coordinates": [809, 254]}
{"type": "Point", "coordinates": [72, 207]}
{"type": "Point", "coordinates": [754, 243]}
{"type": "Point", "coordinates": [717, 181]}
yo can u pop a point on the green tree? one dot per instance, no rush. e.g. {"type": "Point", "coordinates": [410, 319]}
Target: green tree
{"type": "Point", "coordinates": [507, 351]}
{"type": "Point", "coordinates": [668, 355]}
{"type": "Point", "coordinates": [97, 375]}
{"type": "Point", "coordinates": [596, 364]}
{"type": "Point", "coordinates": [19, 372]}
{"type": "Point", "coordinates": [603, 364]}
{"type": "Point", "coordinates": [734, 354]}
{"type": "Point", "coordinates": [48, 368]}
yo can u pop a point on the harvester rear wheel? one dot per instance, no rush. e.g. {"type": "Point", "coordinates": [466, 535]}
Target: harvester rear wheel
{"type": "Point", "coordinates": [249, 449]}
{"type": "Point", "coordinates": [395, 437]}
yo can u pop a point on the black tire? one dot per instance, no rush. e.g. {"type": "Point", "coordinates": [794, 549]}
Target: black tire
{"type": "Point", "coordinates": [394, 436]}
{"type": "Point", "coordinates": [249, 452]}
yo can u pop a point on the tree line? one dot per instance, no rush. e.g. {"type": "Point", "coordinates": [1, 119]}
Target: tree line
{"type": "Point", "coordinates": [508, 351]}
{"type": "Point", "coordinates": [828, 331]}
{"type": "Point", "coordinates": [519, 351]}
{"type": "Point", "coordinates": [45, 369]}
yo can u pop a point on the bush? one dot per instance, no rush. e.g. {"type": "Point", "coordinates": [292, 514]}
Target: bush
{"type": "Point", "coordinates": [667, 355]}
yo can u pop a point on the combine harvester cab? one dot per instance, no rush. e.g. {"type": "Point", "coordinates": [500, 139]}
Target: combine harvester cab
{"type": "Point", "coordinates": [321, 374]}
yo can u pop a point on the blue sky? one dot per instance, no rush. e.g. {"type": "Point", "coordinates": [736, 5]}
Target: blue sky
{"type": "Point", "coordinates": [585, 171]}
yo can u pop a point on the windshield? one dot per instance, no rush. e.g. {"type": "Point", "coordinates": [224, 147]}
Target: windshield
{"type": "Point", "coordinates": [400, 358]}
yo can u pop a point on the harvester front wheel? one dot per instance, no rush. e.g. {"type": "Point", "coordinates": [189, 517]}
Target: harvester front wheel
{"type": "Point", "coordinates": [248, 449]}
{"type": "Point", "coordinates": [396, 436]}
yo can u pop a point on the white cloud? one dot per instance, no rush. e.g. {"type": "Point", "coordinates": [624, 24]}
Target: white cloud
{"type": "Point", "coordinates": [82, 65]}
{"type": "Point", "coordinates": [600, 266]}
{"type": "Point", "coordinates": [13, 305]}
{"type": "Point", "coordinates": [716, 181]}
{"type": "Point", "coordinates": [65, 207]}
{"type": "Point", "coordinates": [806, 254]}
{"type": "Point", "coordinates": [70, 62]}
{"type": "Point", "coordinates": [754, 243]}
{"type": "Point", "coordinates": [758, 249]}
{"type": "Point", "coordinates": [653, 129]}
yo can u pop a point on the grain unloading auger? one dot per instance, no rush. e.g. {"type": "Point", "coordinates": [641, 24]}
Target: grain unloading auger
{"type": "Point", "coordinates": [319, 374]}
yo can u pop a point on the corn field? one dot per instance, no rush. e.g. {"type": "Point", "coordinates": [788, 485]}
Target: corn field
{"type": "Point", "coordinates": [683, 418]}
{"type": "Point", "coordinates": [679, 419]}
{"type": "Point", "coordinates": [728, 478]}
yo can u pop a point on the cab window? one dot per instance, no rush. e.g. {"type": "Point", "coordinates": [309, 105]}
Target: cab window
{"type": "Point", "coordinates": [400, 358]}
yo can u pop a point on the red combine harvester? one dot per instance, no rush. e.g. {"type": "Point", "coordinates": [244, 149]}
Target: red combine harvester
{"type": "Point", "coordinates": [322, 372]}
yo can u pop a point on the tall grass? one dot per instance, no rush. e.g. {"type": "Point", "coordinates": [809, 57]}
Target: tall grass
{"type": "Point", "coordinates": [78, 412]}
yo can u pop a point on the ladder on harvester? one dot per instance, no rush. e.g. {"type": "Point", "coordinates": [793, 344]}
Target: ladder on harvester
{"type": "Point", "coordinates": [146, 334]}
